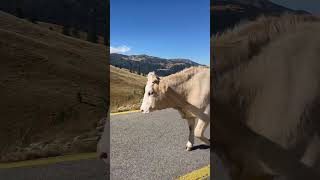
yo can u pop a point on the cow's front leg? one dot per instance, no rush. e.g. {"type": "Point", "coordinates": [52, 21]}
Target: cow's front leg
{"type": "Point", "coordinates": [191, 123]}
{"type": "Point", "coordinates": [199, 130]}
{"type": "Point", "coordinates": [201, 127]}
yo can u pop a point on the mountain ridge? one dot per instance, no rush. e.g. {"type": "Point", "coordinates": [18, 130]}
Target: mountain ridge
{"type": "Point", "coordinates": [143, 64]}
{"type": "Point", "coordinates": [225, 14]}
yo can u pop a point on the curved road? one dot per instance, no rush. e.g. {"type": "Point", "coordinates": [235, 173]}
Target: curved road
{"type": "Point", "coordinates": [143, 146]}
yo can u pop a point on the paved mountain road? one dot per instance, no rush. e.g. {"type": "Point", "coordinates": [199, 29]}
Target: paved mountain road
{"type": "Point", "coordinates": [152, 146]}
{"type": "Point", "coordinates": [143, 146]}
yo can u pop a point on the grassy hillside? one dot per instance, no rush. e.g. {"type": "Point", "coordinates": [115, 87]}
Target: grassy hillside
{"type": "Point", "coordinates": [126, 89]}
{"type": "Point", "coordinates": [58, 28]}
{"type": "Point", "coordinates": [53, 91]}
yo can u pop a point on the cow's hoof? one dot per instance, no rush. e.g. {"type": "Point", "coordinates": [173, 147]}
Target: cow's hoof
{"type": "Point", "coordinates": [189, 146]}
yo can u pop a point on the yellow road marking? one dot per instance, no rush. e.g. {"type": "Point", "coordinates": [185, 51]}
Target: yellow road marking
{"type": "Point", "coordinates": [199, 174]}
{"type": "Point", "coordinates": [49, 160]}
{"type": "Point", "coordinates": [125, 112]}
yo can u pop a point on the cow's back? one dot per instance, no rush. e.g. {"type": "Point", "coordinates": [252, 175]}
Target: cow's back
{"type": "Point", "coordinates": [198, 89]}
{"type": "Point", "coordinates": [286, 78]}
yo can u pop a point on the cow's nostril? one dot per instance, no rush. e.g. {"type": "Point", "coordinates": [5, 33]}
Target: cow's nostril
{"type": "Point", "coordinates": [103, 155]}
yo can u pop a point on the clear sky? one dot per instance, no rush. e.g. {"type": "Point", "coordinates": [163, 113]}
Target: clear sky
{"type": "Point", "coordinates": [162, 28]}
{"type": "Point", "coordinates": [312, 6]}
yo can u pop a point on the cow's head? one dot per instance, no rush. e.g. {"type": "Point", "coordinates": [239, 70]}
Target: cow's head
{"type": "Point", "coordinates": [154, 95]}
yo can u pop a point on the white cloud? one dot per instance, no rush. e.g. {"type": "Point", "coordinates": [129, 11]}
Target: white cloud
{"type": "Point", "coordinates": [119, 49]}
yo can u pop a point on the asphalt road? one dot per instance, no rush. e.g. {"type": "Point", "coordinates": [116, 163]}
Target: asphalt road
{"type": "Point", "coordinates": [152, 146]}
{"type": "Point", "coordinates": [143, 146]}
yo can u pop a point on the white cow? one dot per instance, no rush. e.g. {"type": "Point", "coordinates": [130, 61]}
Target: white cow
{"type": "Point", "coordinates": [268, 78]}
{"type": "Point", "coordinates": [191, 85]}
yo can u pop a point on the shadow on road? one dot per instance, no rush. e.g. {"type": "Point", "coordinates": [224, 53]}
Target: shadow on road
{"type": "Point", "coordinates": [201, 146]}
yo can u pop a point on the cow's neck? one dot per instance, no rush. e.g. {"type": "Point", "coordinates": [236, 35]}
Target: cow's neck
{"type": "Point", "coordinates": [175, 90]}
{"type": "Point", "coordinates": [181, 103]}
{"type": "Point", "coordinates": [177, 83]}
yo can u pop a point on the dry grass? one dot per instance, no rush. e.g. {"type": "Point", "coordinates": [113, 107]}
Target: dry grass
{"type": "Point", "coordinates": [126, 89]}
{"type": "Point", "coordinates": [42, 75]}
{"type": "Point", "coordinates": [58, 28]}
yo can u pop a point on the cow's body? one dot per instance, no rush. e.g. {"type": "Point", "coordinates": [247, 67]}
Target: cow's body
{"type": "Point", "coordinates": [275, 93]}
{"type": "Point", "coordinates": [191, 85]}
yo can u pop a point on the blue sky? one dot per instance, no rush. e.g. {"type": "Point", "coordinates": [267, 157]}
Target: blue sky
{"type": "Point", "coordinates": [162, 28]}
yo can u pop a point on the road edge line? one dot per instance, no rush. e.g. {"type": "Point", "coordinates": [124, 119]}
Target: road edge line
{"type": "Point", "coordinates": [201, 173]}
{"type": "Point", "coordinates": [124, 112]}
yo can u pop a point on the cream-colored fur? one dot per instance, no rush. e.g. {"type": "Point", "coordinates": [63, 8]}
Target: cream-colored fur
{"type": "Point", "coordinates": [272, 77]}
{"type": "Point", "coordinates": [193, 86]}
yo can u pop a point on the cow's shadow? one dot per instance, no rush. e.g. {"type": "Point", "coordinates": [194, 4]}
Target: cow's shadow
{"type": "Point", "coordinates": [201, 146]}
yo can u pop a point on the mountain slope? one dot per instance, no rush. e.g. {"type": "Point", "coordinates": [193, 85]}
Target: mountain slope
{"type": "Point", "coordinates": [227, 13]}
{"type": "Point", "coordinates": [143, 64]}
{"type": "Point", "coordinates": [53, 90]}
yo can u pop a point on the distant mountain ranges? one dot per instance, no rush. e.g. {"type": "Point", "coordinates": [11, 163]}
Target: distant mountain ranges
{"type": "Point", "coordinates": [143, 64]}
{"type": "Point", "coordinates": [227, 13]}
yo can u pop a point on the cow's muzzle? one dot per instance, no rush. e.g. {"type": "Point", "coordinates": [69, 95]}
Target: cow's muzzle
{"type": "Point", "coordinates": [144, 111]}
{"type": "Point", "coordinates": [104, 155]}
